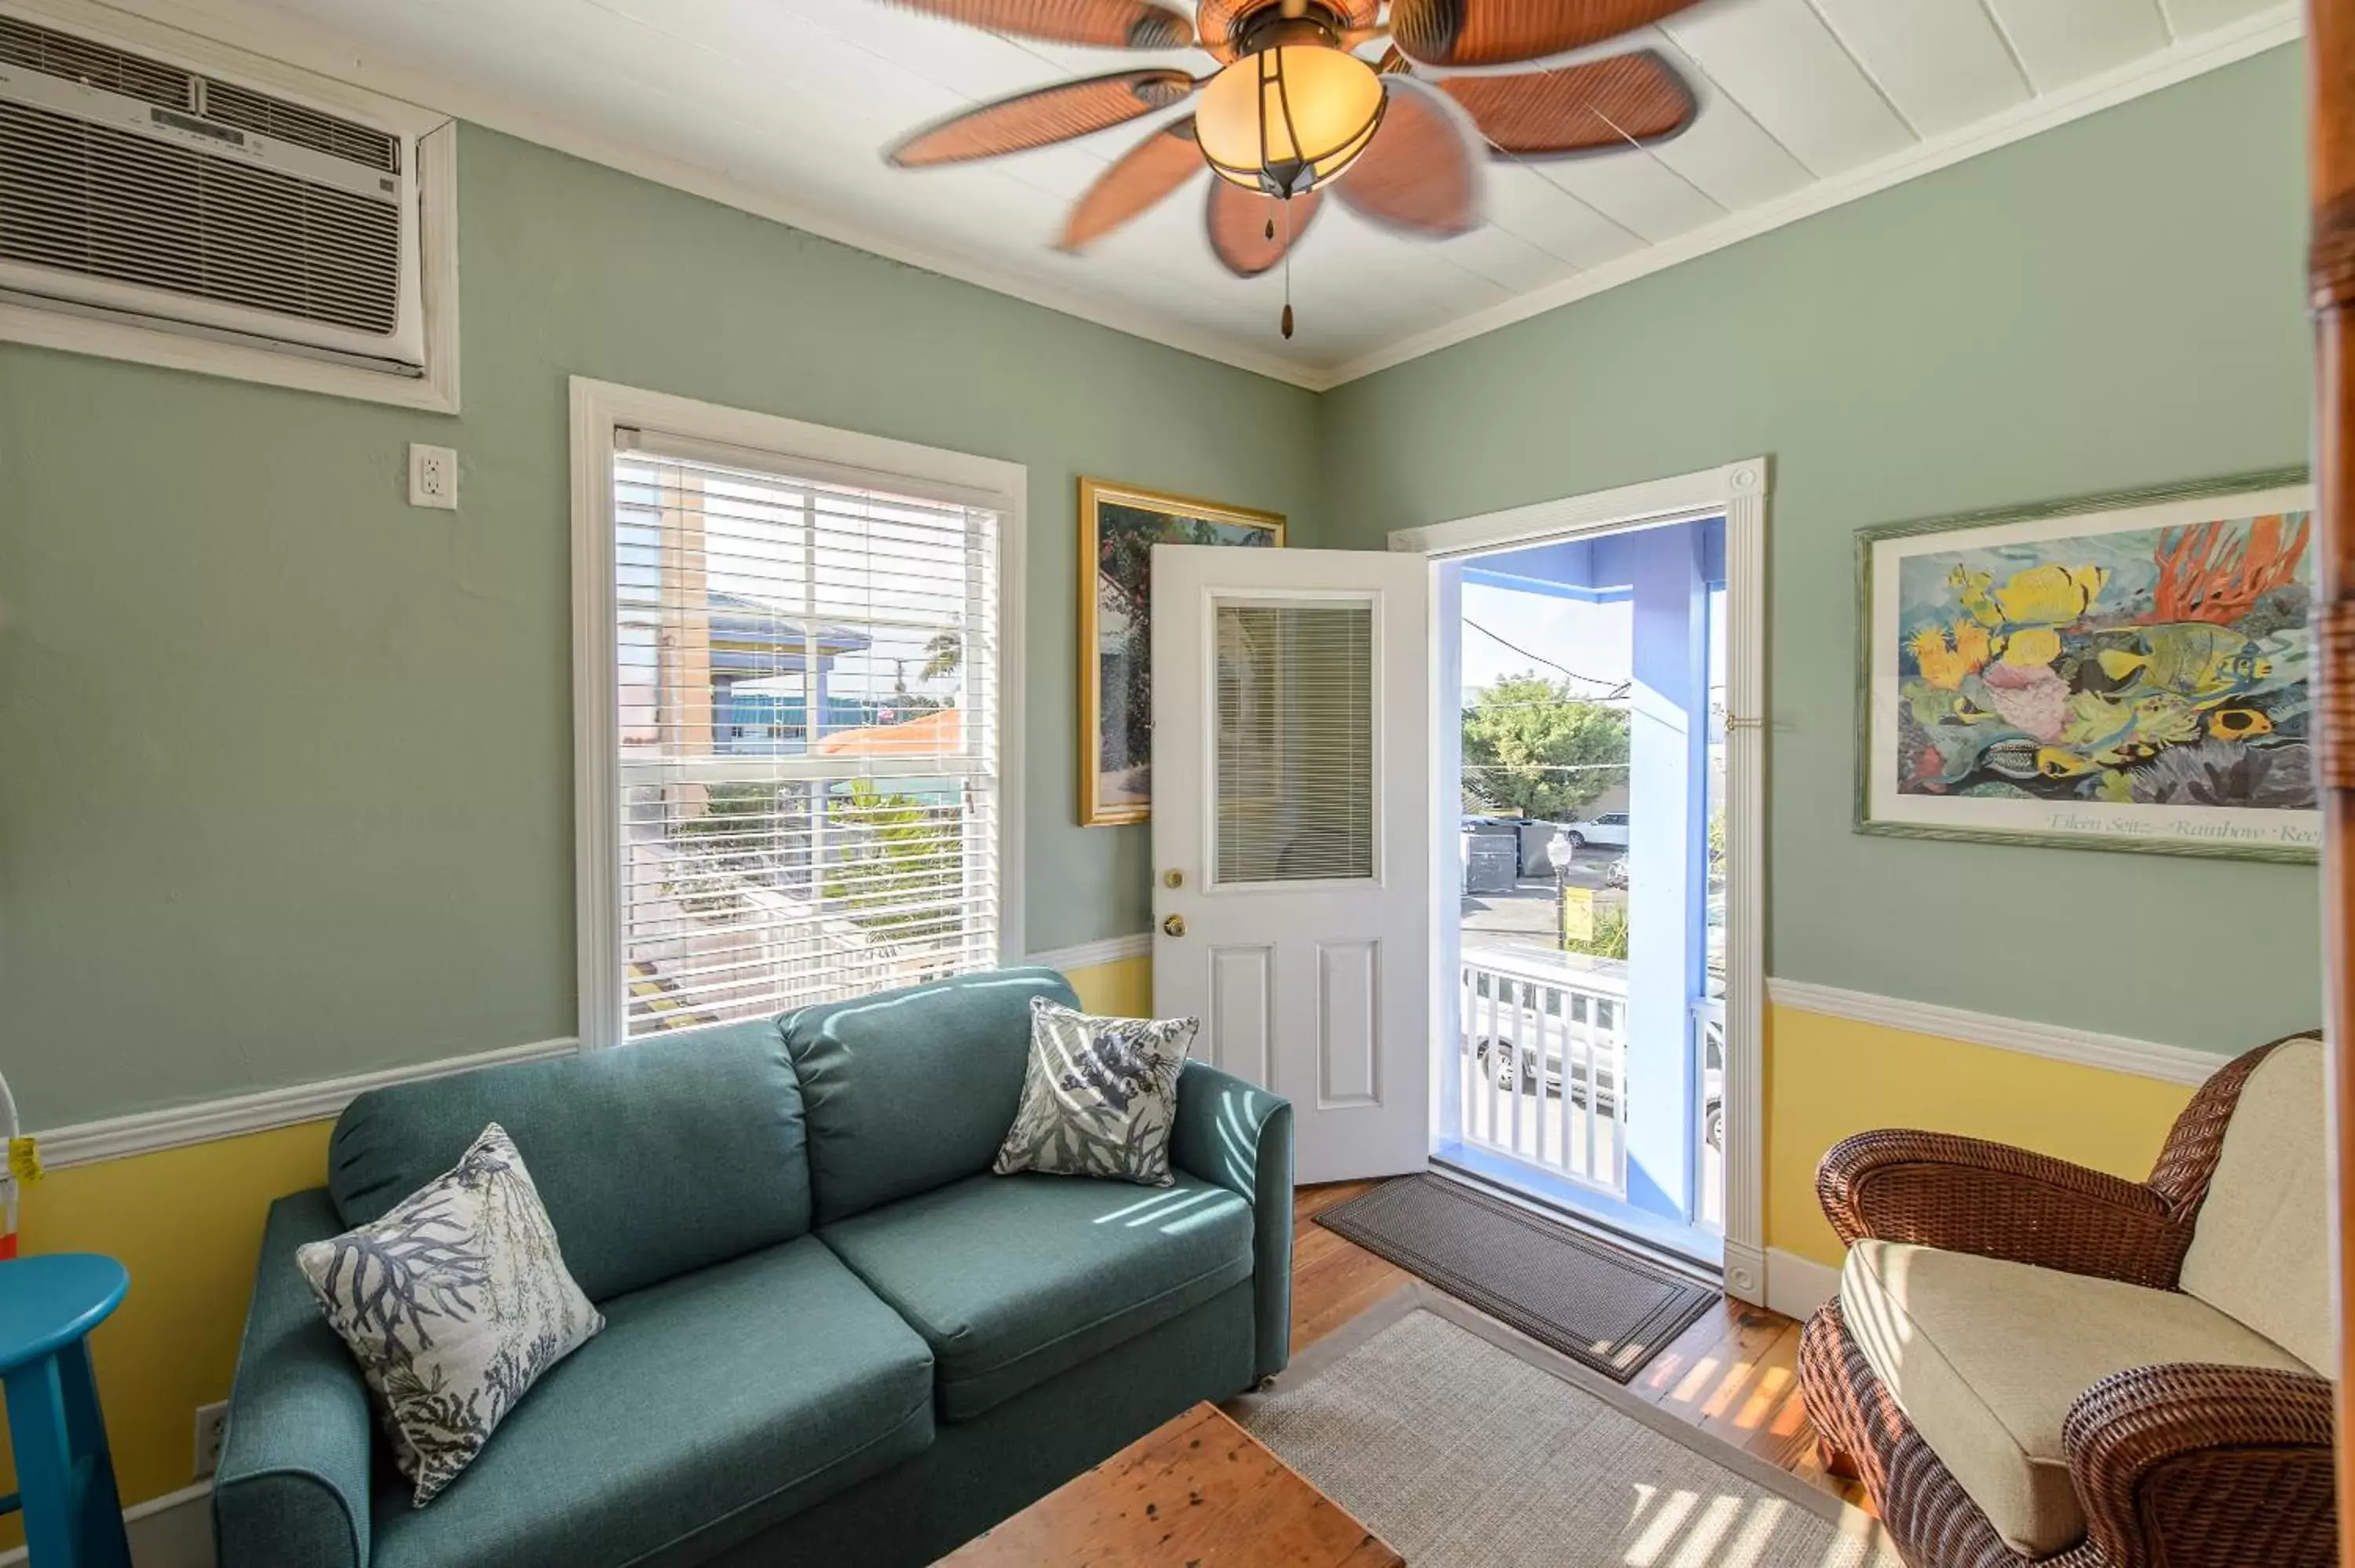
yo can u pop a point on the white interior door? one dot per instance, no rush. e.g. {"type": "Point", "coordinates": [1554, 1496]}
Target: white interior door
{"type": "Point", "coordinates": [1291, 823]}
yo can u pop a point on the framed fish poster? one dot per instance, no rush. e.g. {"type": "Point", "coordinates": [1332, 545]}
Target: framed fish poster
{"type": "Point", "coordinates": [2125, 671]}
{"type": "Point", "coordinates": [1119, 526]}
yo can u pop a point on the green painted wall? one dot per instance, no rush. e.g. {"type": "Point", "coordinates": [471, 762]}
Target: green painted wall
{"type": "Point", "coordinates": [285, 765]}
{"type": "Point", "coordinates": [2114, 303]}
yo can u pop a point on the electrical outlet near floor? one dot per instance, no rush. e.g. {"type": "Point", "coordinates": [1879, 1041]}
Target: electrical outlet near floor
{"type": "Point", "coordinates": [212, 1424]}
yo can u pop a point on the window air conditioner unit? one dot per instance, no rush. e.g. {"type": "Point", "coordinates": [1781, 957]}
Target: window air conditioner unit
{"type": "Point", "coordinates": [134, 189]}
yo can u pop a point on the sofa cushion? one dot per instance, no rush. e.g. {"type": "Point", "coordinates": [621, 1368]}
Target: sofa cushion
{"type": "Point", "coordinates": [911, 1089]}
{"type": "Point", "coordinates": [1985, 1357]}
{"type": "Point", "coordinates": [714, 1403]}
{"type": "Point", "coordinates": [653, 1159]}
{"type": "Point", "coordinates": [1012, 1280]}
{"type": "Point", "coordinates": [2260, 1245]}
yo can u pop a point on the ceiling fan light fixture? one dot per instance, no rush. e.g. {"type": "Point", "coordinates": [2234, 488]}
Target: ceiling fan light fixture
{"type": "Point", "coordinates": [1289, 117]}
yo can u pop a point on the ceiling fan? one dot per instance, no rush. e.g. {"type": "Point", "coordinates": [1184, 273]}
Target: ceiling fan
{"type": "Point", "coordinates": [1293, 105]}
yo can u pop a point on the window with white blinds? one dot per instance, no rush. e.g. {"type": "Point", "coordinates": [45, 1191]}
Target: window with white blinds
{"type": "Point", "coordinates": [806, 714]}
{"type": "Point", "coordinates": [1292, 763]}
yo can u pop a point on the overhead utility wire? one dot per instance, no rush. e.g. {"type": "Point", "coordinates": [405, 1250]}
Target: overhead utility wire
{"type": "Point", "coordinates": [1618, 688]}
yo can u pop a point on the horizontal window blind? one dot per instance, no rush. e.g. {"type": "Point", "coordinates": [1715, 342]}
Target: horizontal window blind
{"type": "Point", "coordinates": [1294, 764]}
{"type": "Point", "coordinates": [806, 710]}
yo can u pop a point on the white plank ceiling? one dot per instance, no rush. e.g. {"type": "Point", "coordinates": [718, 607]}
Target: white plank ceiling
{"type": "Point", "coordinates": [789, 103]}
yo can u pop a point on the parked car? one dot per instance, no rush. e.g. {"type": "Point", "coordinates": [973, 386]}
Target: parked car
{"type": "Point", "coordinates": [1610, 829]}
{"type": "Point", "coordinates": [1503, 1040]}
{"type": "Point", "coordinates": [1616, 876]}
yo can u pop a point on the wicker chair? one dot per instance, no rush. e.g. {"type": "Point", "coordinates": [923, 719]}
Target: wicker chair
{"type": "Point", "coordinates": [2033, 1362]}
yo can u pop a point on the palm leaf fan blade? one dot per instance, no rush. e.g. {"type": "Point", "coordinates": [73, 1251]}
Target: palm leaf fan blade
{"type": "Point", "coordinates": [1250, 230]}
{"type": "Point", "coordinates": [1144, 176]}
{"type": "Point", "coordinates": [1105, 24]}
{"type": "Point", "coordinates": [1421, 173]}
{"type": "Point", "coordinates": [1506, 32]}
{"type": "Point", "coordinates": [1042, 118]}
{"type": "Point", "coordinates": [1596, 107]}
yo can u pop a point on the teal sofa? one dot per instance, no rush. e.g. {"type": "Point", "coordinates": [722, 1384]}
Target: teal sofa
{"type": "Point", "coordinates": [832, 1337]}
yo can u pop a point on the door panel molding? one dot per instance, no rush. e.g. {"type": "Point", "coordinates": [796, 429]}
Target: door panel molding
{"type": "Point", "coordinates": [1349, 1024]}
{"type": "Point", "coordinates": [1242, 1018]}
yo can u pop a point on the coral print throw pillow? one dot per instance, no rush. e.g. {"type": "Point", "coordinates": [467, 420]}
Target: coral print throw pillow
{"type": "Point", "coordinates": [1099, 1096]}
{"type": "Point", "coordinates": [454, 1304]}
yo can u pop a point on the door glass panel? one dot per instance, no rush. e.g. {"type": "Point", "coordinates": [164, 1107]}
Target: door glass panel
{"type": "Point", "coordinates": [1294, 747]}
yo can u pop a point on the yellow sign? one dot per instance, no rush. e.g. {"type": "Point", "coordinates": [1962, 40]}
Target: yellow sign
{"type": "Point", "coordinates": [1577, 915]}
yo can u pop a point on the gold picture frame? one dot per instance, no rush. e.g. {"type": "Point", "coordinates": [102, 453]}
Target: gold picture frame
{"type": "Point", "coordinates": [1119, 524]}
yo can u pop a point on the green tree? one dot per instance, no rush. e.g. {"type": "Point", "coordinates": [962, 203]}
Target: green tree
{"type": "Point", "coordinates": [942, 654]}
{"type": "Point", "coordinates": [1532, 749]}
{"type": "Point", "coordinates": [904, 867]}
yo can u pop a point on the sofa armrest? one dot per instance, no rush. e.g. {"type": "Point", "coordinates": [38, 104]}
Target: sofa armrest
{"type": "Point", "coordinates": [1239, 1136]}
{"type": "Point", "coordinates": [2194, 1465]}
{"type": "Point", "coordinates": [1964, 1194]}
{"type": "Point", "coordinates": [291, 1489]}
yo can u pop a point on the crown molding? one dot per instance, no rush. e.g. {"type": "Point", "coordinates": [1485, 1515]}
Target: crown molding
{"type": "Point", "coordinates": [2279, 24]}
{"type": "Point", "coordinates": [2054, 1042]}
{"type": "Point", "coordinates": [273, 34]}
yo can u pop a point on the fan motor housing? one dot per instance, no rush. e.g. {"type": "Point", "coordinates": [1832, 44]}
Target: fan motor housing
{"type": "Point", "coordinates": [1268, 28]}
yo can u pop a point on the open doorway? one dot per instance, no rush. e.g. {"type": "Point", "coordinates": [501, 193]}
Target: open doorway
{"type": "Point", "coordinates": [1587, 680]}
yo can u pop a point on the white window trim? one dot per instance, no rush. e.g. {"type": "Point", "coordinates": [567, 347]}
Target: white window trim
{"type": "Point", "coordinates": [71, 332]}
{"type": "Point", "coordinates": [598, 409]}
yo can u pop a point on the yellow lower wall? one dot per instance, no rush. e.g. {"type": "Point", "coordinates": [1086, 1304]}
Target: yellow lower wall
{"type": "Point", "coordinates": [1828, 1077]}
{"type": "Point", "coordinates": [187, 1222]}
{"type": "Point", "coordinates": [188, 1225]}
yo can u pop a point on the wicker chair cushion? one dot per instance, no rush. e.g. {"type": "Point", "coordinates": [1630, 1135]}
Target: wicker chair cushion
{"type": "Point", "coordinates": [1985, 1356]}
{"type": "Point", "coordinates": [2259, 1247]}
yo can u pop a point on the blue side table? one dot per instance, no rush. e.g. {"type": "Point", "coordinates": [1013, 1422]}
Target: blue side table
{"type": "Point", "coordinates": [64, 1478]}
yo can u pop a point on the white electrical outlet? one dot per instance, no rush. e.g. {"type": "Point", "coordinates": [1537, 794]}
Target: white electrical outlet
{"type": "Point", "coordinates": [433, 477]}
{"type": "Point", "coordinates": [212, 1425]}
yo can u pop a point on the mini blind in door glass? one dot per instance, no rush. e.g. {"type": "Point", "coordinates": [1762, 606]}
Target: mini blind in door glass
{"type": "Point", "coordinates": [1293, 753]}
{"type": "Point", "coordinates": [807, 719]}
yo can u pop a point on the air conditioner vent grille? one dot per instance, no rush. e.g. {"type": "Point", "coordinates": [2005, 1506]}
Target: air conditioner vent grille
{"type": "Point", "coordinates": [306, 127]}
{"type": "Point", "coordinates": [78, 60]}
{"type": "Point", "coordinates": [106, 203]}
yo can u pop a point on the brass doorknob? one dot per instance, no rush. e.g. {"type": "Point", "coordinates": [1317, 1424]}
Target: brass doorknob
{"type": "Point", "coordinates": [1174, 925]}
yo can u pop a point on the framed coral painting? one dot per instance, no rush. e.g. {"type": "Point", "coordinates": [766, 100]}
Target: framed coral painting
{"type": "Point", "coordinates": [1118, 528]}
{"type": "Point", "coordinates": [2123, 672]}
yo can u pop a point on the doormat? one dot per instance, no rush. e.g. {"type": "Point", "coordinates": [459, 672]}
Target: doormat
{"type": "Point", "coordinates": [1601, 1307]}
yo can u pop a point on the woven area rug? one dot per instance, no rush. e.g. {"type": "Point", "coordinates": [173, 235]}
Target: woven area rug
{"type": "Point", "coordinates": [1610, 1310]}
{"type": "Point", "coordinates": [1464, 1445]}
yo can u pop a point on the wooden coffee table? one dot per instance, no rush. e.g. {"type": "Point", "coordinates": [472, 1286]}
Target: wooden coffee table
{"type": "Point", "coordinates": [1195, 1492]}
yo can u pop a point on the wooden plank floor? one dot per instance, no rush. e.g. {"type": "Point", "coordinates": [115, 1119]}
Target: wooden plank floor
{"type": "Point", "coordinates": [1734, 1373]}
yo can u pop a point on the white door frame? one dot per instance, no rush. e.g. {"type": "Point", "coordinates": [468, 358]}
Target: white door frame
{"type": "Point", "coordinates": [1736, 493]}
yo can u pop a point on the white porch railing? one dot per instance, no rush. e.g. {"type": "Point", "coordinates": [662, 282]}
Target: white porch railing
{"type": "Point", "coordinates": [1542, 1062]}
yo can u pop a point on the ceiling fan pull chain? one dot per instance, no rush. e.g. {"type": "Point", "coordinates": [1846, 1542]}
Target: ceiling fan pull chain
{"type": "Point", "coordinates": [1287, 264]}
